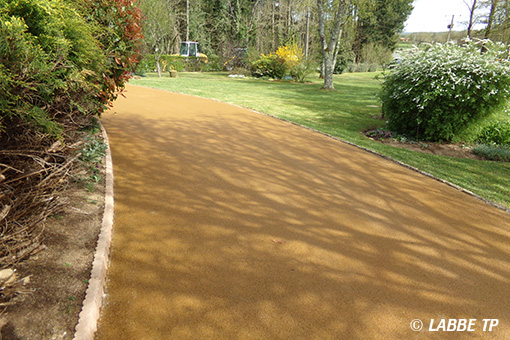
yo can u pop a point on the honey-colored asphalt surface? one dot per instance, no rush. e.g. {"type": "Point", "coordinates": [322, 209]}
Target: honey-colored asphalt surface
{"type": "Point", "coordinates": [233, 225]}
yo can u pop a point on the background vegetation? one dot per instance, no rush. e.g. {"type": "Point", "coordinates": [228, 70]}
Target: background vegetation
{"type": "Point", "coordinates": [222, 27]}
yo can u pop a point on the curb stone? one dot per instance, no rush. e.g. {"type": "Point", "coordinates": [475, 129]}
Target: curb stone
{"type": "Point", "coordinates": [89, 315]}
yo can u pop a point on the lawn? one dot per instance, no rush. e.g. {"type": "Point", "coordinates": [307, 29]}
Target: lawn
{"type": "Point", "coordinates": [343, 113]}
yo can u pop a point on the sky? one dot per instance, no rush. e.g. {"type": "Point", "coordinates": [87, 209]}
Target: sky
{"type": "Point", "coordinates": [436, 15]}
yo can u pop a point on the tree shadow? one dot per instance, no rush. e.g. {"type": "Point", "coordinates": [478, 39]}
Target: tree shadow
{"type": "Point", "coordinates": [233, 225]}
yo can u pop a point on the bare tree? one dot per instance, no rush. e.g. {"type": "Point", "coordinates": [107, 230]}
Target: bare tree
{"type": "Point", "coordinates": [329, 48]}
{"type": "Point", "coordinates": [471, 5]}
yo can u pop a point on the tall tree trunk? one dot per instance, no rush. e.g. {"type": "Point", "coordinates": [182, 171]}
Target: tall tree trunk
{"type": "Point", "coordinates": [187, 20]}
{"type": "Point", "coordinates": [307, 37]}
{"type": "Point", "coordinates": [329, 48]}
{"type": "Point", "coordinates": [158, 66]}
{"type": "Point", "coordinates": [491, 19]}
{"type": "Point", "coordinates": [273, 24]}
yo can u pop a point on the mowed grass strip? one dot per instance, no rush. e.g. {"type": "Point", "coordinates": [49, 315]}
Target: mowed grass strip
{"type": "Point", "coordinates": [344, 113]}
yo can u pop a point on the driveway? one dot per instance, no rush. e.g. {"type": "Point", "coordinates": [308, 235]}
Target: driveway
{"type": "Point", "coordinates": [233, 225]}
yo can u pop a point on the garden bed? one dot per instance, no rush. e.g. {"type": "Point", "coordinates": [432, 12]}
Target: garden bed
{"type": "Point", "coordinates": [49, 306]}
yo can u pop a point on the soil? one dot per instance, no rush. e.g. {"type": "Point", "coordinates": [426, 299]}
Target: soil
{"type": "Point", "coordinates": [49, 306]}
{"type": "Point", "coordinates": [442, 149]}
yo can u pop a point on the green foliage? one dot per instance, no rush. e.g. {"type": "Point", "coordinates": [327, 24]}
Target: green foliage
{"type": "Point", "coordinates": [214, 63]}
{"type": "Point", "coordinates": [53, 67]}
{"type": "Point", "coordinates": [49, 63]}
{"type": "Point", "coordinates": [119, 35]}
{"type": "Point", "coordinates": [344, 58]}
{"type": "Point", "coordinates": [495, 133]}
{"type": "Point", "coordinates": [93, 151]}
{"type": "Point", "coordinates": [271, 66]}
{"type": "Point", "coordinates": [301, 71]}
{"type": "Point", "coordinates": [361, 67]}
{"type": "Point", "coordinates": [437, 92]}
{"type": "Point", "coordinates": [376, 54]}
{"type": "Point", "coordinates": [379, 24]}
{"type": "Point", "coordinates": [287, 60]}
{"type": "Point", "coordinates": [493, 153]}
{"type": "Point", "coordinates": [91, 154]}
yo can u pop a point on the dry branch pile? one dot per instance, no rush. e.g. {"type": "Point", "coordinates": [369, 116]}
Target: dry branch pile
{"type": "Point", "coordinates": [34, 171]}
{"type": "Point", "coordinates": [30, 182]}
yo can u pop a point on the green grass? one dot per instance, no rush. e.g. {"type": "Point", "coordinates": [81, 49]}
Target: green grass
{"type": "Point", "coordinates": [353, 107]}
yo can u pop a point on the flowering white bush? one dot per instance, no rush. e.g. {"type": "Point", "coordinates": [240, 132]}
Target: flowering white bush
{"type": "Point", "coordinates": [437, 91]}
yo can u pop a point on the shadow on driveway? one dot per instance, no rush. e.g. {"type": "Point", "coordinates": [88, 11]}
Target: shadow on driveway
{"type": "Point", "coordinates": [234, 225]}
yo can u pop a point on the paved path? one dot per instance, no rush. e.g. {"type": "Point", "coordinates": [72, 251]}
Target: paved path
{"type": "Point", "coordinates": [233, 225]}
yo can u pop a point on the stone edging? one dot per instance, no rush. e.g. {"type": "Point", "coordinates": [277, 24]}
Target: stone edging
{"type": "Point", "coordinates": [89, 315]}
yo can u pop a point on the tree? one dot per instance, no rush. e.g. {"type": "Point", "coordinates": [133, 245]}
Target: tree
{"type": "Point", "coordinates": [159, 27]}
{"type": "Point", "coordinates": [379, 23]}
{"type": "Point", "coordinates": [471, 5]}
{"type": "Point", "coordinates": [490, 19]}
{"type": "Point", "coordinates": [329, 46]}
{"type": "Point", "coordinates": [498, 20]}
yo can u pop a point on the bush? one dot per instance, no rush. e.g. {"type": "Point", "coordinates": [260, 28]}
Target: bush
{"type": "Point", "coordinates": [344, 59]}
{"type": "Point", "coordinates": [376, 54]}
{"type": "Point", "coordinates": [363, 67]}
{"type": "Point", "coordinates": [239, 71]}
{"type": "Point", "coordinates": [214, 63]}
{"type": "Point", "coordinates": [58, 63]}
{"type": "Point", "coordinates": [496, 133]}
{"type": "Point", "coordinates": [303, 70]}
{"type": "Point", "coordinates": [270, 66]}
{"type": "Point", "coordinates": [120, 34]}
{"type": "Point", "coordinates": [493, 153]}
{"type": "Point", "coordinates": [353, 67]}
{"type": "Point", "coordinates": [61, 63]}
{"type": "Point", "coordinates": [438, 91]}
{"type": "Point", "coordinates": [50, 65]}
{"type": "Point", "coordinates": [288, 59]}
{"type": "Point", "coordinates": [373, 67]}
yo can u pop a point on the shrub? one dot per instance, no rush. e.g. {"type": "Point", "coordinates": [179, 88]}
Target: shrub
{"type": "Point", "coordinates": [379, 134]}
{"type": "Point", "coordinates": [120, 35]}
{"type": "Point", "coordinates": [493, 153]}
{"type": "Point", "coordinates": [344, 59]}
{"type": "Point", "coordinates": [214, 63]}
{"type": "Point", "coordinates": [303, 70]}
{"type": "Point", "coordinates": [373, 67]}
{"type": "Point", "coordinates": [436, 92]}
{"type": "Point", "coordinates": [496, 133]}
{"type": "Point", "coordinates": [50, 64]}
{"type": "Point", "coordinates": [291, 54]}
{"type": "Point", "coordinates": [61, 63]}
{"type": "Point", "coordinates": [239, 71]}
{"type": "Point", "coordinates": [288, 59]}
{"type": "Point", "coordinates": [270, 66]}
{"type": "Point", "coordinates": [363, 67]}
{"type": "Point", "coordinates": [353, 67]}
